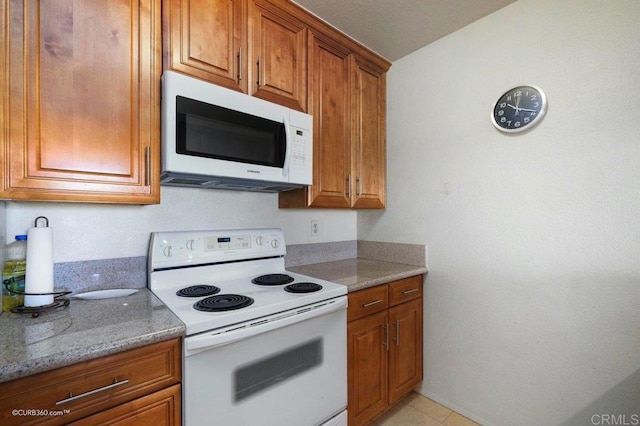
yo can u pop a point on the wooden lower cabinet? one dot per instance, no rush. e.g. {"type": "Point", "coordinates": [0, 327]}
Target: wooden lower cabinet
{"type": "Point", "coordinates": [159, 408]}
{"type": "Point", "coordinates": [384, 342]}
{"type": "Point", "coordinates": [140, 386]}
{"type": "Point", "coordinates": [405, 351]}
{"type": "Point", "coordinates": [367, 368]}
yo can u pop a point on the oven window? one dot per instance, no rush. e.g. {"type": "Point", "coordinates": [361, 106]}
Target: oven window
{"type": "Point", "coordinates": [262, 374]}
{"type": "Point", "coordinates": [206, 130]}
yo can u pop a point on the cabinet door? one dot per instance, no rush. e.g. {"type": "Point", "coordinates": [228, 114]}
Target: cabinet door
{"type": "Point", "coordinates": [367, 347]}
{"type": "Point", "coordinates": [329, 103]}
{"type": "Point", "coordinates": [161, 408]}
{"type": "Point", "coordinates": [207, 39]}
{"type": "Point", "coordinates": [368, 132]}
{"type": "Point", "coordinates": [80, 105]}
{"type": "Point", "coordinates": [278, 52]}
{"type": "Point", "coordinates": [405, 353]}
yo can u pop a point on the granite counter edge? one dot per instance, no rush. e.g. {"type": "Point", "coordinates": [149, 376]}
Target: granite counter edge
{"type": "Point", "coordinates": [372, 282]}
{"type": "Point", "coordinates": [52, 362]}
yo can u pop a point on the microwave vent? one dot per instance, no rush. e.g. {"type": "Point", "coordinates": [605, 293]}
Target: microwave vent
{"type": "Point", "coordinates": [217, 182]}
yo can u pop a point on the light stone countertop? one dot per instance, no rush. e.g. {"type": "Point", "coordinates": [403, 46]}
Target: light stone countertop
{"type": "Point", "coordinates": [84, 330]}
{"type": "Point", "coordinates": [359, 273]}
{"type": "Point", "coordinates": [88, 329]}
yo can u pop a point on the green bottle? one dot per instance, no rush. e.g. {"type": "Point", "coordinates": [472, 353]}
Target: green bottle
{"type": "Point", "coordinates": [15, 268]}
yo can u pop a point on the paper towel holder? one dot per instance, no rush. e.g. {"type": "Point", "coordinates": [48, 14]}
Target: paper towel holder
{"type": "Point", "coordinates": [46, 221]}
{"type": "Point", "coordinates": [59, 301]}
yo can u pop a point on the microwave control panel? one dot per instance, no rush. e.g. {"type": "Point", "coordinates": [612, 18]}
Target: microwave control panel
{"type": "Point", "coordinates": [300, 147]}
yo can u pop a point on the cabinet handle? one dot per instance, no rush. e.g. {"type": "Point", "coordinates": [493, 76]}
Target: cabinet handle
{"type": "Point", "coordinates": [358, 187]}
{"type": "Point", "coordinates": [71, 397]}
{"type": "Point", "coordinates": [375, 302]}
{"type": "Point", "coordinates": [147, 165]}
{"type": "Point", "coordinates": [385, 343]}
{"type": "Point", "coordinates": [349, 186]}
{"type": "Point", "coordinates": [258, 75]}
{"type": "Point", "coordinates": [397, 336]}
{"type": "Point", "coordinates": [240, 64]}
{"type": "Point", "coordinates": [413, 290]}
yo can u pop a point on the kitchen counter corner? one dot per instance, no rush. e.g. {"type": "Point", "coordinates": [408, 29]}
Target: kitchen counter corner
{"type": "Point", "coordinates": [359, 273]}
{"type": "Point", "coordinates": [86, 329]}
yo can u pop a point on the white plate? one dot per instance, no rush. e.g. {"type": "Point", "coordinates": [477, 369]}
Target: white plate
{"type": "Point", "coordinates": [105, 294]}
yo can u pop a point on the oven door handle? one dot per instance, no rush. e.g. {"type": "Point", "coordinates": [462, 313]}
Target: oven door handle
{"type": "Point", "coordinates": [205, 341]}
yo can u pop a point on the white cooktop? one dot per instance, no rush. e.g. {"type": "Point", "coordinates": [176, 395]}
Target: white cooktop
{"type": "Point", "coordinates": [182, 259]}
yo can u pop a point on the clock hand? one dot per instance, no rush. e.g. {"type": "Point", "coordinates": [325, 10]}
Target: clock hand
{"type": "Point", "coordinates": [525, 109]}
{"type": "Point", "coordinates": [517, 104]}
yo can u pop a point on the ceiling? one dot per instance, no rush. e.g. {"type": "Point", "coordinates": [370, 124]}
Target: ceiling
{"type": "Point", "coordinates": [395, 28]}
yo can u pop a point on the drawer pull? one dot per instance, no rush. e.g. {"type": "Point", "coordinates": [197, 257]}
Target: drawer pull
{"type": "Point", "coordinates": [413, 290]}
{"type": "Point", "coordinates": [385, 342]}
{"type": "Point", "coordinates": [375, 302]}
{"type": "Point", "coordinates": [71, 397]}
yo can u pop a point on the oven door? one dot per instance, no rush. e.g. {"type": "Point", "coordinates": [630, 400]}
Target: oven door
{"type": "Point", "coordinates": [290, 366]}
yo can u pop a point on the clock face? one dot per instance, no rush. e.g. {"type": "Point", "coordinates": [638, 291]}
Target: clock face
{"type": "Point", "coordinates": [519, 109]}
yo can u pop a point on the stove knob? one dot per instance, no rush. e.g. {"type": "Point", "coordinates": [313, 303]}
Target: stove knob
{"type": "Point", "coordinates": [275, 243]}
{"type": "Point", "coordinates": [167, 251]}
{"type": "Point", "coordinates": [189, 244]}
{"type": "Point", "coordinates": [259, 240]}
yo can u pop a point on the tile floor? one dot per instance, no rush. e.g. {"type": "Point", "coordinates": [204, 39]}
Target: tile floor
{"type": "Point", "coordinates": [416, 410]}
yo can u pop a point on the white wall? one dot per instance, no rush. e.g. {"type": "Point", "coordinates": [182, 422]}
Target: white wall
{"type": "Point", "coordinates": [98, 231]}
{"type": "Point", "coordinates": [532, 303]}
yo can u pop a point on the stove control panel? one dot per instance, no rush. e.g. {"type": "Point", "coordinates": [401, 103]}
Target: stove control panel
{"type": "Point", "coordinates": [232, 242]}
{"type": "Point", "coordinates": [183, 248]}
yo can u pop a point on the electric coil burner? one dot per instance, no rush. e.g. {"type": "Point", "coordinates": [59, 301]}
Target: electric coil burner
{"type": "Point", "coordinates": [303, 287]}
{"type": "Point", "coordinates": [259, 335]}
{"type": "Point", "coordinates": [272, 279]}
{"type": "Point", "coordinates": [223, 302]}
{"type": "Point", "coordinates": [198, 291]}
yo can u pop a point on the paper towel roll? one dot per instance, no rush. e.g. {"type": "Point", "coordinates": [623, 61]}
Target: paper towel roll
{"type": "Point", "coordinates": [39, 276]}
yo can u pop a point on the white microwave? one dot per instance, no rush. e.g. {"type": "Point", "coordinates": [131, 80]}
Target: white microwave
{"type": "Point", "coordinates": [213, 137]}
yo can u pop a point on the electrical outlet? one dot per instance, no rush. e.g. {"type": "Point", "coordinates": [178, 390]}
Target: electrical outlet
{"type": "Point", "coordinates": [315, 228]}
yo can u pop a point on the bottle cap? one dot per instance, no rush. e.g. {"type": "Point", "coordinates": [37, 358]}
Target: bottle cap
{"type": "Point", "coordinates": [21, 237]}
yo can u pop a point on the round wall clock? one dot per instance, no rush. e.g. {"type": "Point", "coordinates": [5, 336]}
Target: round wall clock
{"type": "Point", "coordinates": [519, 109]}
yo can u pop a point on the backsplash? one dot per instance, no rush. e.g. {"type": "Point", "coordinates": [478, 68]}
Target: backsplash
{"type": "Point", "coordinates": [125, 272]}
{"type": "Point", "coordinates": [131, 272]}
{"type": "Point", "coordinates": [304, 254]}
{"type": "Point", "coordinates": [410, 254]}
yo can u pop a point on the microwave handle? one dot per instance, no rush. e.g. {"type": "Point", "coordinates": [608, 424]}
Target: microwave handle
{"type": "Point", "coordinates": [287, 153]}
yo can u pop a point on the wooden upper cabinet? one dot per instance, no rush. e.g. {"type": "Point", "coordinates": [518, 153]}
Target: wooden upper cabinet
{"type": "Point", "coordinates": [80, 105]}
{"type": "Point", "coordinates": [368, 127]}
{"type": "Point", "coordinates": [278, 52]}
{"type": "Point", "coordinates": [349, 138]}
{"type": "Point", "coordinates": [253, 46]}
{"type": "Point", "coordinates": [207, 39]}
{"type": "Point", "coordinates": [330, 105]}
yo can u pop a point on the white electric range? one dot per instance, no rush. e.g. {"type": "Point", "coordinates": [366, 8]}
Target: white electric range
{"type": "Point", "coordinates": [257, 334]}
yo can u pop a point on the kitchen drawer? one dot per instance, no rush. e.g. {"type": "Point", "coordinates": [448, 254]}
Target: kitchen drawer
{"type": "Point", "coordinates": [71, 393]}
{"type": "Point", "coordinates": [403, 290]}
{"type": "Point", "coordinates": [368, 301]}
{"type": "Point", "coordinates": [161, 408]}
